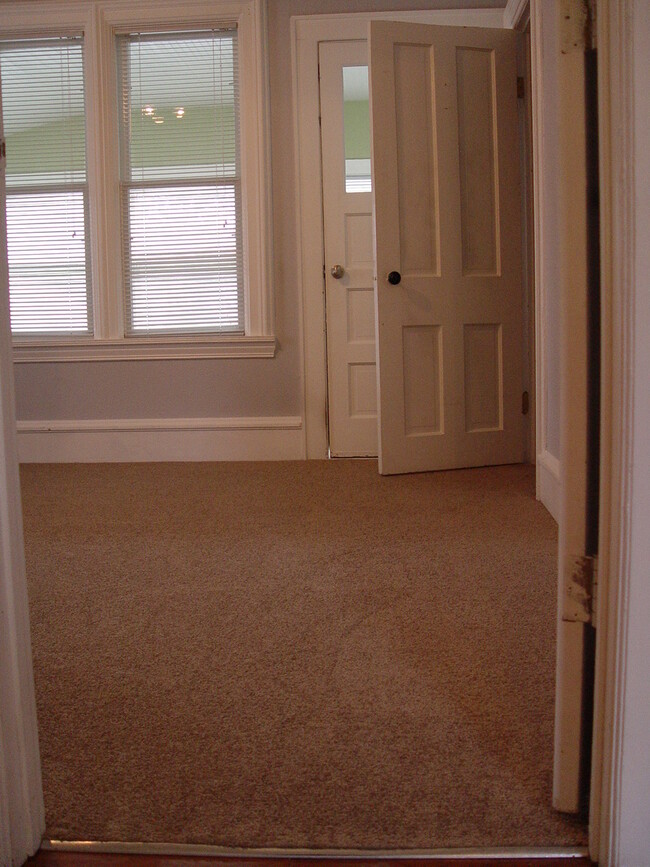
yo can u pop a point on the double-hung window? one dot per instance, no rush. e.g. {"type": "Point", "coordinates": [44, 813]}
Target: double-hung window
{"type": "Point", "coordinates": [47, 190]}
{"type": "Point", "coordinates": [180, 182]}
{"type": "Point", "coordinates": [137, 179]}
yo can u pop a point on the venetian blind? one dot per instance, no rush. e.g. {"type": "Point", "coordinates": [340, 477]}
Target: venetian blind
{"type": "Point", "coordinates": [47, 195]}
{"type": "Point", "coordinates": [180, 182]}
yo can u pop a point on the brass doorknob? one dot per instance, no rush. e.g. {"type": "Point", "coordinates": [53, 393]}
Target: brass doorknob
{"type": "Point", "coordinates": [337, 271]}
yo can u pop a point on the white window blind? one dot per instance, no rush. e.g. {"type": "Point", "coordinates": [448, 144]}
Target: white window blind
{"type": "Point", "coordinates": [47, 195]}
{"type": "Point", "coordinates": [180, 182]}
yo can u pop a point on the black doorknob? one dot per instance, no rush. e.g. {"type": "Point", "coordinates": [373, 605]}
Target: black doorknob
{"type": "Point", "coordinates": [394, 278]}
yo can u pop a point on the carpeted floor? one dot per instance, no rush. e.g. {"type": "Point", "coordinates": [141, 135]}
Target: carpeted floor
{"type": "Point", "coordinates": [294, 655]}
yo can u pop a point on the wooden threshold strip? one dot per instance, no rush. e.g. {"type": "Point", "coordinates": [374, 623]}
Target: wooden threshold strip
{"type": "Point", "coordinates": [58, 858]}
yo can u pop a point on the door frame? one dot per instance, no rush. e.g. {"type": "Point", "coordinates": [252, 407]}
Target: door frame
{"type": "Point", "coordinates": [307, 31]}
{"type": "Point", "coordinates": [622, 678]}
{"type": "Point", "coordinates": [618, 834]}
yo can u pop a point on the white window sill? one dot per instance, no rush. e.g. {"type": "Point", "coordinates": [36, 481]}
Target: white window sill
{"type": "Point", "coordinates": [143, 349]}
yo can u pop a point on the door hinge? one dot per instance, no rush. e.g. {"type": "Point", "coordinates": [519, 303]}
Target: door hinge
{"type": "Point", "coordinates": [525, 403]}
{"type": "Point", "coordinates": [521, 87]}
{"type": "Point", "coordinates": [580, 589]}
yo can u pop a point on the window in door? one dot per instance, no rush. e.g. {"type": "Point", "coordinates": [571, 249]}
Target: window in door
{"type": "Point", "coordinates": [356, 122]}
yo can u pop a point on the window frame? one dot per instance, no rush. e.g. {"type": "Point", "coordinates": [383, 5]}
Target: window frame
{"type": "Point", "coordinates": [100, 23]}
{"type": "Point", "coordinates": [58, 187]}
{"type": "Point", "coordinates": [133, 184]}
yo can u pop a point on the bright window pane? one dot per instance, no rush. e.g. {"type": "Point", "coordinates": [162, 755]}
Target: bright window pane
{"type": "Point", "coordinates": [356, 120]}
{"type": "Point", "coordinates": [48, 247]}
{"type": "Point", "coordinates": [184, 264]}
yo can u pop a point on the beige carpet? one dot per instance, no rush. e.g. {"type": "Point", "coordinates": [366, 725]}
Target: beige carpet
{"type": "Point", "coordinates": [294, 655]}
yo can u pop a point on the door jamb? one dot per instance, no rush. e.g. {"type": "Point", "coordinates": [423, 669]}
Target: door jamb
{"type": "Point", "coordinates": [615, 33]}
{"type": "Point", "coordinates": [22, 814]}
{"type": "Point", "coordinates": [616, 85]}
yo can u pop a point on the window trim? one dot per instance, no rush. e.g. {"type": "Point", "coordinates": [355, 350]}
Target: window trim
{"type": "Point", "coordinates": [100, 22]}
{"type": "Point", "coordinates": [145, 348]}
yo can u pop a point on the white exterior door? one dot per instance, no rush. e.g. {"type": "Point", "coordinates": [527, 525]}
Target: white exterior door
{"type": "Point", "coordinates": [448, 228]}
{"type": "Point", "coordinates": [347, 213]}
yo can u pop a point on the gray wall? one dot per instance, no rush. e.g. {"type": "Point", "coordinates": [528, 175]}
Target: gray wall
{"type": "Point", "coordinates": [214, 388]}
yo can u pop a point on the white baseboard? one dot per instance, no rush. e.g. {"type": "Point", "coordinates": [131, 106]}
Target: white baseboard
{"type": "Point", "coordinates": [177, 439]}
{"type": "Point", "coordinates": [548, 482]}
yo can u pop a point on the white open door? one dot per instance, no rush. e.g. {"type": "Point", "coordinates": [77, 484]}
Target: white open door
{"type": "Point", "coordinates": [449, 296]}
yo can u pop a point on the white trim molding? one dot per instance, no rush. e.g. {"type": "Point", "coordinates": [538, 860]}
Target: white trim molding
{"type": "Point", "coordinates": [622, 689]}
{"type": "Point", "coordinates": [516, 14]}
{"type": "Point", "coordinates": [267, 438]}
{"type": "Point", "coordinates": [306, 34]}
{"type": "Point", "coordinates": [548, 464]}
{"type": "Point", "coordinates": [22, 816]}
{"type": "Point", "coordinates": [153, 348]}
{"type": "Point", "coordinates": [548, 480]}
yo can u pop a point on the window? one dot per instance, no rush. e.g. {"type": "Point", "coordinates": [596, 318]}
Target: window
{"type": "Point", "coordinates": [356, 120]}
{"type": "Point", "coordinates": [180, 182]}
{"type": "Point", "coordinates": [138, 228]}
{"type": "Point", "coordinates": [47, 192]}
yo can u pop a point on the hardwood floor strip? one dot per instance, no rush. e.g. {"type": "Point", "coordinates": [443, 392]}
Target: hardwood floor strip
{"type": "Point", "coordinates": [184, 850]}
{"type": "Point", "coordinates": [59, 858]}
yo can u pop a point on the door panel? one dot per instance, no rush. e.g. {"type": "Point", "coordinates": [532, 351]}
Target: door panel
{"type": "Point", "coordinates": [347, 205]}
{"type": "Point", "coordinates": [447, 218]}
{"type": "Point", "coordinates": [478, 168]}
